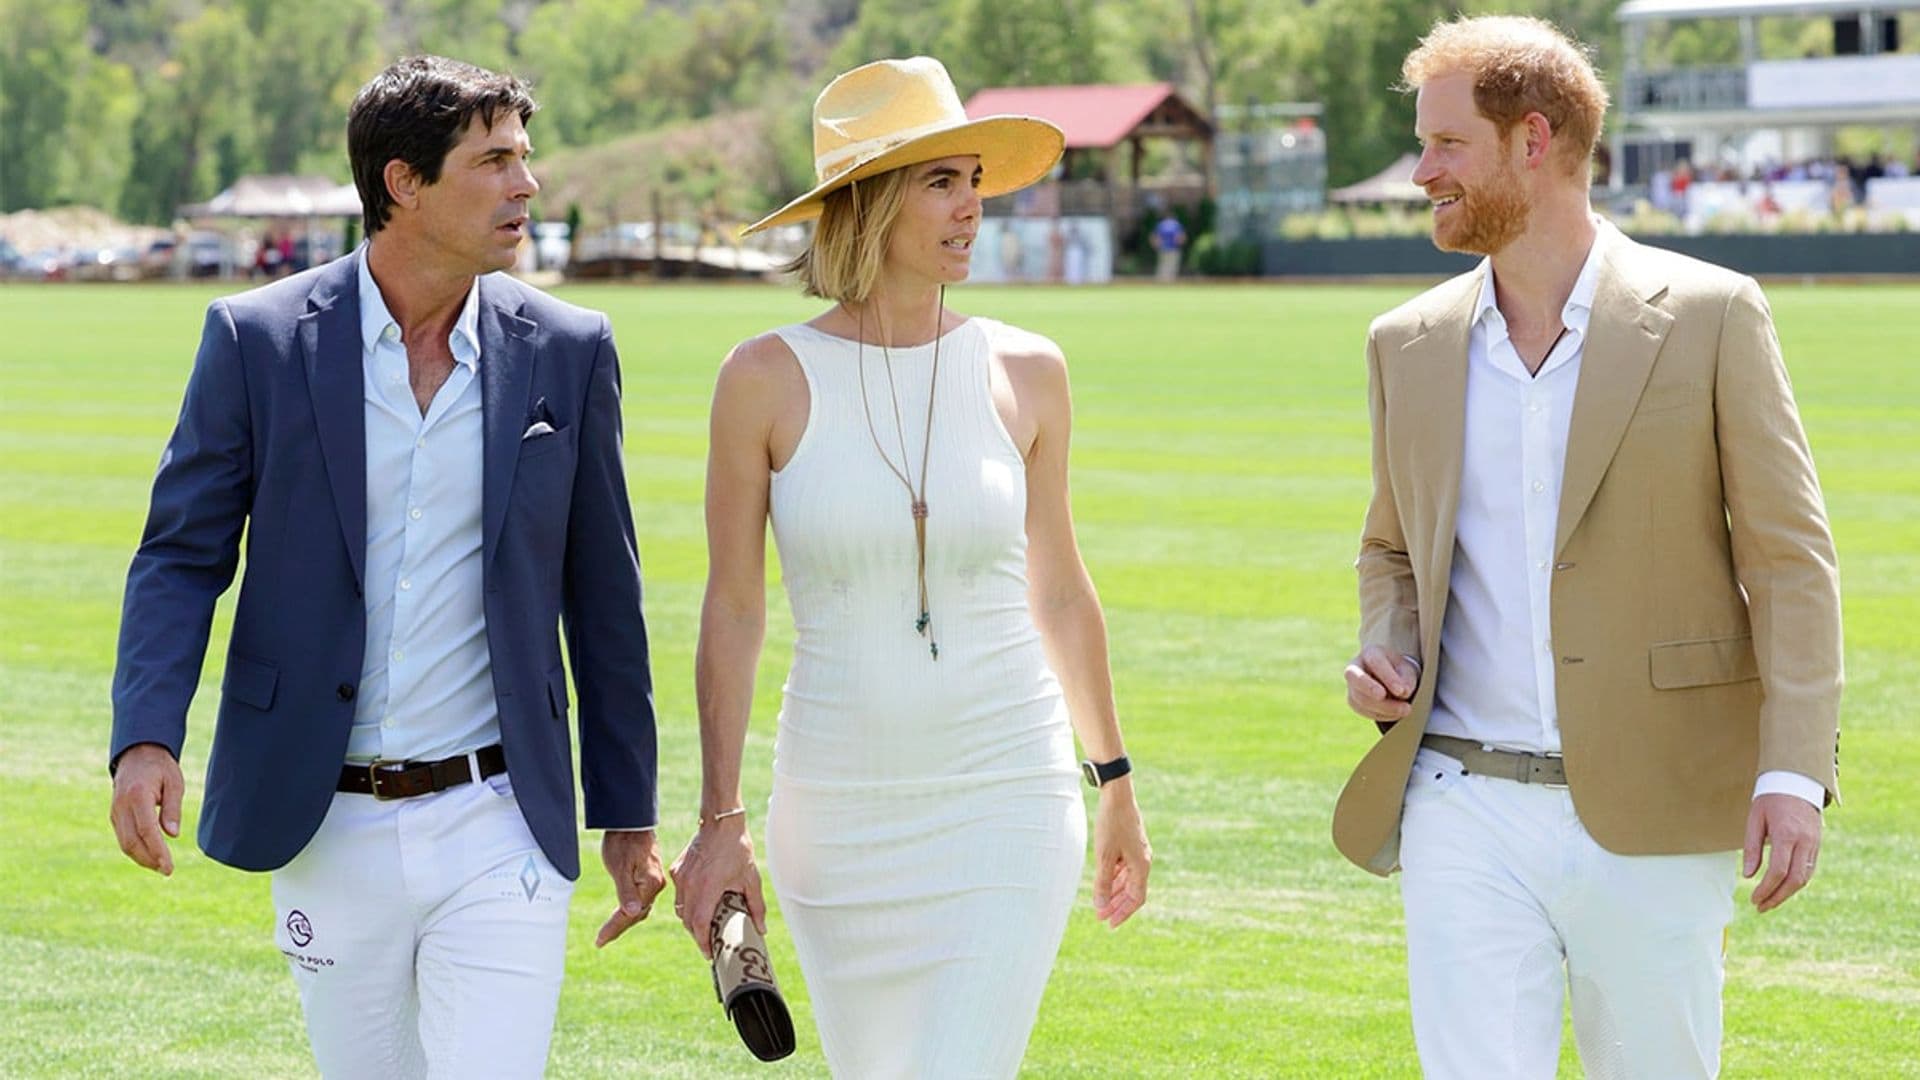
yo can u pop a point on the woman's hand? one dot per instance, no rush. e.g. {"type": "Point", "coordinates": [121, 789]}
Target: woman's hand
{"type": "Point", "coordinates": [718, 860]}
{"type": "Point", "coordinates": [1122, 857]}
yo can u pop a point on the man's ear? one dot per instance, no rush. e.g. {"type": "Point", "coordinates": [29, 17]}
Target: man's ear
{"type": "Point", "coordinates": [403, 184]}
{"type": "Point", "coordinates": [1539, 138]}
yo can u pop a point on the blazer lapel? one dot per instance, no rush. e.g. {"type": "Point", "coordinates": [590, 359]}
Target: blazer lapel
{"type": "Point", "coordinates": [506, 380]}
{"type": "Point", "coordinates": [1426, 441]}
{"type": "Point", "coordinates": [1434, 376]}
{"type": "Point", "coordinates": [1626, 332]}
{"type": "Point", "coordinates": [330, 343]}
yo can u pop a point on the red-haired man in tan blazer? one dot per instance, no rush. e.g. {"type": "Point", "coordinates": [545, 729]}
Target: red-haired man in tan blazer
{"type": "Point", "coordinates": [1600, 614]}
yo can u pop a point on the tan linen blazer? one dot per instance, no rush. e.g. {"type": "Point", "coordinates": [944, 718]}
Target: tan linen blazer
{"type": "Point", "coordinates": [1696, 600]}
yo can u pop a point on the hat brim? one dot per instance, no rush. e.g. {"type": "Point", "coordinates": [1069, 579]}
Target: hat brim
{"type": "Point", "coordinates": [1014, 152]}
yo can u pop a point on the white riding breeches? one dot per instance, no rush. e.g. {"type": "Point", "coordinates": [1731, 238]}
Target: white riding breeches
{"type": "Point", "coordinates": [427, 936]}
{"type": "Point", "coordinates": [1512, 908]}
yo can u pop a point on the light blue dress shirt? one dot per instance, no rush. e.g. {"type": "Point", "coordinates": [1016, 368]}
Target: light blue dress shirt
{"type": "Point", "coordinates": [426, 685]}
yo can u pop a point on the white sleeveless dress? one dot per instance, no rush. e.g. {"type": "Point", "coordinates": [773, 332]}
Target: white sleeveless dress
{"type": "Point", "coordinates": [926, 832]}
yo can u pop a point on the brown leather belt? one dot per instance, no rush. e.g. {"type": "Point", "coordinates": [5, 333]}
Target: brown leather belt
{"type": "Point", "coordinates": [405, 779]}
{"type": "Point", "coordinates": [1503, 764]}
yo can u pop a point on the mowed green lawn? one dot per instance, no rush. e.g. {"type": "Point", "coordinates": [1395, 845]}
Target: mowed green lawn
{"type": "Point", "coordinates": [1219, 477]}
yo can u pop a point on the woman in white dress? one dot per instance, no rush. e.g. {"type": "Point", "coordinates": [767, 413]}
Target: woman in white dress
{"type": "Point", "coordinates": [926, 833]}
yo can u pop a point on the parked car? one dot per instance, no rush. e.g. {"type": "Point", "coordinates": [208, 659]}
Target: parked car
{"type": "Point", "coordinates": [552, 244]}
{"type": "Point", "coordinates": [206, 254]}
{"type": "Point", "coordinates": [634, 240]}
{"type": "Point", "coordinates": [157, 261]}
{"type": "Point", "coordinates": [106, 264]}
{"type": "Point", "coordinates": [49, 264]}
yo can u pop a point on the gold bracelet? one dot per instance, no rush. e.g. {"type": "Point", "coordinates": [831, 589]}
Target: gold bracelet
{"type": "Point", "coordinates": [738, 811]}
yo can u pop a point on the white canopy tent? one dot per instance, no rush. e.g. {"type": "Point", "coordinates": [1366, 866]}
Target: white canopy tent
{"type": "Point", "coordinates": [280, 197]}
{"type": "Point", "coordinates": [1393, 184]}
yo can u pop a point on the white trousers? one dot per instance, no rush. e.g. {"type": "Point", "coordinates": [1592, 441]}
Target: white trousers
{"type": "Point", "coordinates": [1511, 908]}
{"type": "Point", "coordinates": [427, 936]}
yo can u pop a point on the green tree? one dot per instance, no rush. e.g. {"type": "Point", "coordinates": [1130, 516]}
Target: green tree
{"type": "Point", "coordinates": [1589, 22]}
{"type": "Point", "coordinates": [476, 31]}
{"type": "Point", "coordinates": [1692, 44]}
{"type": "Point", "coordinates": [42, 46]}
{"type": "Point", "coordinates": [1354, 55]}
{"type": "Point", "coordinates": [308, 59]}
{"type": "Point", "coordinates": [732, 47]}
{"type": "Point", "coordinates": [895, 28]}
{"type": "Point", "coordinates": [1258, 49]}
{"type": "Point", "coordinates": [1797, 39]}
{"type": "Point", "coordinates": [135, 32]}
{"type": "Point", "coordinates": [191, 137]}
{"type": "Point", "coordinates": [97, 150]}
{"type": "Point", "coordinates": [593, 64]}
{"type": "Point", "coordinates": [789, 111]}
{"type": "Point", "coordinates": [1027, 43]}
{"type": "Point", "coordinates": [1219, 52]}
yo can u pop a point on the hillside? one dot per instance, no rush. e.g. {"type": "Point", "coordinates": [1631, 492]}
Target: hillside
{"type": "Point", "coordinates": [719, 170]}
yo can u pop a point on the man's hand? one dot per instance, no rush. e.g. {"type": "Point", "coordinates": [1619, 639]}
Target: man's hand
{"type": "Point", "coordinates": [718, 860]}
{"type": "Point", "coordinates": [1790, 826]}
{"type": "Point", "coordinates": [632, 859]}
{"type": "Point", "coordinates": [147, 779]}
{"type": "Point", "coordinates": [1380, 684]}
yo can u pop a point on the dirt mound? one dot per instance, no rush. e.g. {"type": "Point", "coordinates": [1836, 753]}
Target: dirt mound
{"type": "Point", "coordinates": [84, 227]}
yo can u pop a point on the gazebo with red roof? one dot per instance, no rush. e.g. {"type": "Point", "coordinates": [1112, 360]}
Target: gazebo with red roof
{"type": "Point", "coordinates": [1097, 119]}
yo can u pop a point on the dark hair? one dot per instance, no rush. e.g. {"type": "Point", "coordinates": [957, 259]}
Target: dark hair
{"type": "Point", "coordinates": [416, 111]}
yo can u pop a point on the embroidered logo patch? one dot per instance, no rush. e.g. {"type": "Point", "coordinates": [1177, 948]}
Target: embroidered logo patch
{"type": "Point", "coordinates": [530, 878]}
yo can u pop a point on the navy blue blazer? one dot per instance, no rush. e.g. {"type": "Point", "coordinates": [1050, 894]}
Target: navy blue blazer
{"type": "Point", "coordinates": [272, 438]}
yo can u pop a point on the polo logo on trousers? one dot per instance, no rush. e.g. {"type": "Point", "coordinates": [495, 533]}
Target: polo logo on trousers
{"type": "Point", "coordinates": [299, 928]}
{"type": "Point", "coordinates": [530, 878]}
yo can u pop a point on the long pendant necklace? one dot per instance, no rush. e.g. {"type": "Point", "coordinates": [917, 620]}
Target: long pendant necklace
{"type": "Point", "coordinates": [916, 496]}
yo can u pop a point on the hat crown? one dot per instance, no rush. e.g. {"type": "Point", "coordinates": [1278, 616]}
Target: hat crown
{"type": "Point", "coordinates": [878, 106]}
{"type": "Point", "coordinates": [894, 113]}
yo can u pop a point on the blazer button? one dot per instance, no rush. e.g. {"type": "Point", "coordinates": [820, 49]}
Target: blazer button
{"type": "Point", "coordinates": [344, 691]}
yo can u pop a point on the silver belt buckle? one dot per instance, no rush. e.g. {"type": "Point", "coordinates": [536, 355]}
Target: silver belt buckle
{"type": "Point", "coordinates": [1537, 770]}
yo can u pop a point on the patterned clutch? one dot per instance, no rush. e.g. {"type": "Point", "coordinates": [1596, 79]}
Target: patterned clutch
{"type": "Point", "coordinates": [743, 981]}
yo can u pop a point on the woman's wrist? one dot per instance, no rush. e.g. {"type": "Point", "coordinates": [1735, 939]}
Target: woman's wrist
{"type": "Point", "coordinates": [719, 812]}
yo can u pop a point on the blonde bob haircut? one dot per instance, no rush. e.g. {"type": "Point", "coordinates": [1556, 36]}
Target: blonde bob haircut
{"type": "Point", "coordinates": [1519, 65]}
{"type": "Point", "coordinates": [850, 239]}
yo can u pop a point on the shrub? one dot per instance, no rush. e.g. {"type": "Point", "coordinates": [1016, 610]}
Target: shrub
{"type": "Point", "coordinates": [1211, 256]}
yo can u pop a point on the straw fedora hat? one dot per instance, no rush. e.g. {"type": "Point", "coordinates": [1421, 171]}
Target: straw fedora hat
{"type": "Point", "coordinates": [891, 113]}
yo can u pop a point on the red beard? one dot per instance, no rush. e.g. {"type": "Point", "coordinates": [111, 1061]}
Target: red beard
{"type": "Point", "coordinates": [1487, 218]}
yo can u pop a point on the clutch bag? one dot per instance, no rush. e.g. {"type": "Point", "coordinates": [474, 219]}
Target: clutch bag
{"type": "Point", "coordinates": [743, 980]}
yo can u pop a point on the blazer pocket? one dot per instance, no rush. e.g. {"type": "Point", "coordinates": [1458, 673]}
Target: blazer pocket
{"type": "Point", "coordinates": [546, 444]}
{"type": "Point", "coordinates": [250, 682]}
{"type": "Point", "coordinates": [1676, 665]}
{"type": "Point", "coordinates": [557, 692]}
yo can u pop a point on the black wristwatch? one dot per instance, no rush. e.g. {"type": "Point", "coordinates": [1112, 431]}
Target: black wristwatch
{"type": "Point", "coordinates": [1102, 773]}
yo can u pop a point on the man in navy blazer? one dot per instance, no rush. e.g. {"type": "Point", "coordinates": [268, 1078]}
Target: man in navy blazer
{"type": "Point", "coordinates": [424, 457]}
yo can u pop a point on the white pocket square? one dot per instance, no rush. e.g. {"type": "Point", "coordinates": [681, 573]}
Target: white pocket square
{"type": "Point", "coordinates": [539, 428]}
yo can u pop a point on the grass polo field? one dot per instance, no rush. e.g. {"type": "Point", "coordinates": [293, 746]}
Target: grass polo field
{"type": "Point", "coordinates": [1219, 477]}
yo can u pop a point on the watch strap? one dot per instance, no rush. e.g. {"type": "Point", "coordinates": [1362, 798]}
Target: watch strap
{"type": "Point", "coordinates": [1101, 773]}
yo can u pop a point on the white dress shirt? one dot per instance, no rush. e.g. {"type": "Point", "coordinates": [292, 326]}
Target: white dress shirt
{"type": "Point", "coordinates": [1495, 679]}
{"type": "Point", "coordinates": [426, 684]}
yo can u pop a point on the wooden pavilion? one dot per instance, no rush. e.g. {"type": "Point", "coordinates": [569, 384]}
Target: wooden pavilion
{"type": "Point", "coordinates": [1107, 129]}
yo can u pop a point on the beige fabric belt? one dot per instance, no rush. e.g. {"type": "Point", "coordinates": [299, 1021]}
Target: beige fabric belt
{"type": "Point", "coordinates": [1503, 764]}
